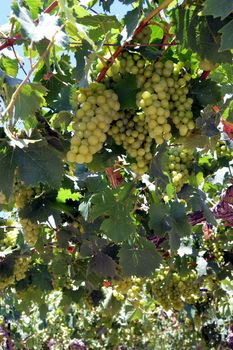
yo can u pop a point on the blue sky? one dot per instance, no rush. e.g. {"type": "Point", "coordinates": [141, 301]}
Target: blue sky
{"type": "Point", "coordinates": [116, 9]}
{"type": "Point", "coordinates": [5, 10]}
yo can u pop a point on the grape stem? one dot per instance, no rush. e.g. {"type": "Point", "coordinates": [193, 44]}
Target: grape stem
{"type": "Point", "coordinates": [119, 49]}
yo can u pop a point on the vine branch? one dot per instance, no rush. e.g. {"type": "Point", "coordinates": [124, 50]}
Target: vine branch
{"type": "Point", "coordinates": [9, 108]}
{"type": "Point", "coordinates": [10, 41]}
{"type": "Point", "coordinates": [144, 22]}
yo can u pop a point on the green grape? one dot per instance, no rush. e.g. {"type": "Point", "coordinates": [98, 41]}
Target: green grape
{"type": "Point", "coordinates": [97, 108]}
{"type": "Point", "coordinates": [172, 290]}
{"type": "Point", "coordinates": [130, 132]}
{"type": "Point", "coordinates": [24, 195]}
{"type": "Point", "coordinates": [179, 162]}
{"type": "Point", "coordinates": [143, 37]}
{"type": "Point", "coordinates": [222, 150]}
{"type": "Point", "coordinates": [10, 238]}
{"type": "Point", "coordinates": [20, 269]}
{"type": "Point", "coordinates": [30, 230]}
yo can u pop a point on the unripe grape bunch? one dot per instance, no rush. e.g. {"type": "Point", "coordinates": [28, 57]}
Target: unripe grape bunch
{"type": "Point", "coordinates": [96, 107]}
{"type": "Point", "coordinates": [178, 165]}
{"type": "Point", "coordinates": [30, 231]}
{"type": "Point", "coordinates": [130, 131]}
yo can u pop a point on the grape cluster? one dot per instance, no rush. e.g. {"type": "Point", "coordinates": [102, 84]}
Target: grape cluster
{"type": "Point", "coordinates": [214, 249]}
{"type": "Point", "coordinates": [9, 239]}
{"type": "Point", "coordinates": [129, 288]}
{"type": "Point", "coordinates": [24, 195]}
{"type": "Point", "coordinates": [131, 63]}
{"type": "Point", "coordinates": [130, 131]}
{"type": "Point", "coordinates": [163, 98]}
{"type": "Point", "coordinates": [222, 150]}
{"type": "Point", "coordinates": [143, 37]}
{"type": "Point", "coordinates": [30, 230]}
{"type": "Point", "coordinates": [20, 269]}
{"type": "Point", "coordinates": [97, 108]}
{"type": "Point", "coordinates": [179, 162]}
{"type": "Point", "coordinates": [172, 290]}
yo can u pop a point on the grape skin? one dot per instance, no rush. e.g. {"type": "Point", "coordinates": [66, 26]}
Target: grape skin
{"type": "Point", "coordinates": [97, 108]}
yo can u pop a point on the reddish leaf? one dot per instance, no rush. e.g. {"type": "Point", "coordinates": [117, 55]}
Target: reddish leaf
{"type": "Point", "coordinates": [228, 128]}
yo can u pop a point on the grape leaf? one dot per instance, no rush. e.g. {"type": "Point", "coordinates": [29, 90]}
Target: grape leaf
{"type": "Point", "coordinates": [7, 170]}
{"type": "Point", "coordinates": [158, 221]}
{"type": "Point", "coordinates": [131, 20]}
{"type": "Point", "coordinates": [103, 264]}
{"type": "Point", "coordinates": [215, 9]}
{"type": "Point", "coordinates": [64, 194]}
{"type": "Point", "coordinates": [9, 80]}
{"type": "Point", "coordinates": [105, 23]}
{"type": "Point", "coordinates": [126, 89]}
{"type": "Point", "coordinates": [33, 6]}
{"type": "Point", "coordinates": [200, 34]}
{"type": "Point", "coordinates": [29, 100]}
{"type": "Point", "coordinates": [227, 36]}
{"type": "Point", "coordinates": [40, 210]}
{"type": "Point", "coordinates": [39, 163]}
{"type": "Point", "coordinates": [157, 165]}
{"type": "Point", "coordinates": [119, 225]}
{"type": "Point", "coordinates": [179, 219]}
{"type": "Point", "coordinates": [102, 204]}
{"type": "Point", "coordinates": [10, 66]}
{"type": "Point", "coordinates": [140, 259]}
{"type": "Point", "coordinates": [205, 92]}
{"type": "Point", "coordinates": [106, 4]}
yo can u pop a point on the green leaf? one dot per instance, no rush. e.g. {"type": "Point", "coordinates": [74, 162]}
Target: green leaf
{"type": "Point", "coordinates": [105, 23]}
{"type": "Point", "coordinates": [179, 218]}
{"type": "Point", "coordinates": [34, 7]}
{"type": "Point", "coordinates": [118, 226]}
{"type": "Point", "coordinates": [102, 204]}
{"type": "Point", "coordinates": [29, 100]}
{"type": "Point", "coordinates": [179, 225]}
{"type": "Point", "coordinates": [73, 296]}
{"type": "Point", "coordinates": [205, 92]}
{"type": "Point", "coordinates": [216, 9]}
{"type": "Point", "coordinates": [158, 218]}
{"type": "Point", "coordinates": [39, 163]}
{"type": "Point", "coordinates": [103, 264]}
{"type": "Point", "coordinates": [7, 170]}
{"type": "Point", "coordinates": [126, 89]}
{"type": "Point", "coordinates": [81, 53]}
{"type": "Point", "coordinates": [158, 164]}
{"type": "Point", "coordinates": [61, 120]}
{"type": "Point", "coordinates": [131, 20]}
{"type": "Point", "coordinates": [227, 37]}
{"type": "Point", "coordinates": [140, 259]}
{"type": "Point", "coordinates": [40, 210]}
{"type": "Point", "coordinates": [200, 34]}
{"type": "Point", "coordinates": [10, 66]}
{"type": "Point", "coordinates": [65, 194]}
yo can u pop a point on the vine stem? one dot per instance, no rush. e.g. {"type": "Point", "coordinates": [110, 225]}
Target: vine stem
{"type": "Point", "coordinates": [9, 108]}
{"type": "Point", "coordinates": [144, 22]}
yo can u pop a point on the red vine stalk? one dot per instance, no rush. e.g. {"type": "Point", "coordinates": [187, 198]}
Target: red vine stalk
{"type": "Point", "coordinates": [144, 22]}
{"type": "Point", "coordinates": [10, 41]}
{"type": "Point", "coordinates": [163, 43]}
{"type": "Point", "coordinates": [205, 75]}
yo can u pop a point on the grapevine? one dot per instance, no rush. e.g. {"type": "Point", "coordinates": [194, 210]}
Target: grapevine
{"type": "Point", "coordinates": [116, 186]}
